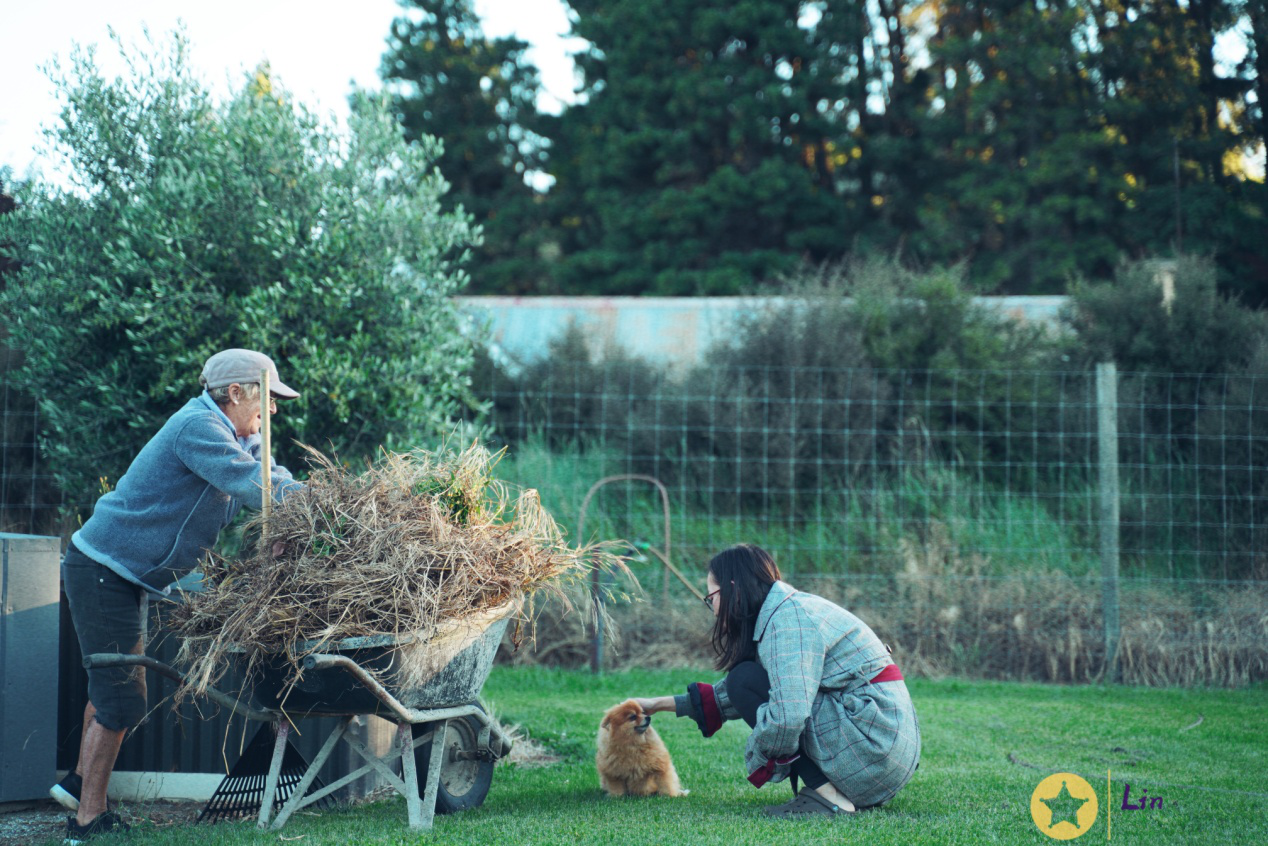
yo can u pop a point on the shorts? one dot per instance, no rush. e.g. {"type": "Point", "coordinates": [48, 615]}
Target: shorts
{"type": "Point", "coordinates": [110, 615]}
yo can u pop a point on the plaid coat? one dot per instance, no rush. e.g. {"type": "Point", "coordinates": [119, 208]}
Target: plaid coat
{"type": "Point", "coordinates": [821, 660]}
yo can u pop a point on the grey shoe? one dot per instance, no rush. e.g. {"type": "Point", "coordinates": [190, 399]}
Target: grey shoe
{"type": "Point", "coordinates": [808, 802]}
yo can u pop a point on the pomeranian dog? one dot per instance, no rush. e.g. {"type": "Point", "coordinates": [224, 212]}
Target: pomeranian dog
{"type": "Point", "coordinates": [632, 759]}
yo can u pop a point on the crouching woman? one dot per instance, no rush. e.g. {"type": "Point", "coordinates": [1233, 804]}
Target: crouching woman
{"type": "Point", "coordinates": [825, 703]}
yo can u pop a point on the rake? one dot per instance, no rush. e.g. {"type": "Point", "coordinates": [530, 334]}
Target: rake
{"type": "Point", "coordinates": [241, 793]}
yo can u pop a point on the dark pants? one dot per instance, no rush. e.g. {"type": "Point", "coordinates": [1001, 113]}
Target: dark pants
{"type": "Point", "coordinates": [748, 687]}
{"type": "Point", "coordinates": [109, 614]}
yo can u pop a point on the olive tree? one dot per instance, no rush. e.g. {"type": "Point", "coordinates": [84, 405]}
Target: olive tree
{"type": "Point", "coordinates": [193, 224]}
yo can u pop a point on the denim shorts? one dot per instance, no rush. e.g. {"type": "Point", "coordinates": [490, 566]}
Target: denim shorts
{"type": "Point", "coordinates": [110, 615]}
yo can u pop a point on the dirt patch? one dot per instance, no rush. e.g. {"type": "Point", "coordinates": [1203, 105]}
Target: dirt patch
{"type": "Point", "coordinates": [45, 822]}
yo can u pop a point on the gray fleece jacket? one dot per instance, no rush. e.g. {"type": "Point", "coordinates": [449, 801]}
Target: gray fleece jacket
{"type": "Point", "coordinates": [184, 486]}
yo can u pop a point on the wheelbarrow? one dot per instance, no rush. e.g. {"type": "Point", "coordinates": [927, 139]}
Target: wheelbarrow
{"type": "Point", "coordinates": [445, 742]}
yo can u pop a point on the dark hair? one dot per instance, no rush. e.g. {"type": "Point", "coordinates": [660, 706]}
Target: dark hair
{"type": "Point", "coordinates": [744, 574]}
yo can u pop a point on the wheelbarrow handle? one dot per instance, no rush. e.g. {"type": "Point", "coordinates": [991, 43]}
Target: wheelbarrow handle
{"type": "Point", "coordinates": [102, 660]}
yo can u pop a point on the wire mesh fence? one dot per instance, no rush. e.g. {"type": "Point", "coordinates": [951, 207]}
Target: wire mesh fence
{"type": "Point", "coordinates": [832, 466]}
{"type": "Point", "coordinates": [29, 501]}
{"type": "Point", "coordinates": [962, 513]}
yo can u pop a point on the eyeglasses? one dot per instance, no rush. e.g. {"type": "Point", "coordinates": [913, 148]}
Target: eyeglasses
{"type": "Point", "coordinates": [272, 400]}
{"type": "Point", "coordinates": [708, 598]}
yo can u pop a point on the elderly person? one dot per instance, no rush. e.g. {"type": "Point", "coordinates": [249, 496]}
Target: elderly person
{"type": "Point", "coordinates": [184, 486]}
{"type": "Point", "coordinates": [825, 703]}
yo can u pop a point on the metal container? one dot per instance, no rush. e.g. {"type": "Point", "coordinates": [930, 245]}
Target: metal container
{"type": "Point", "coordinates": [29, 571]}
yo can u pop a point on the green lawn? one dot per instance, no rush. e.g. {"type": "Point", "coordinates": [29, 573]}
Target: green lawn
{"type": "Point", "coordinates": [1211, 777]}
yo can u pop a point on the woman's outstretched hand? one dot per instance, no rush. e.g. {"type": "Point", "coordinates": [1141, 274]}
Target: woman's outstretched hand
{"type": "Point", "coordinates": [656, 704]}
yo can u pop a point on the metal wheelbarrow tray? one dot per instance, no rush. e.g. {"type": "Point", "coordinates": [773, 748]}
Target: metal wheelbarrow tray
{"type": "Point", "coordinates": [438, 701]}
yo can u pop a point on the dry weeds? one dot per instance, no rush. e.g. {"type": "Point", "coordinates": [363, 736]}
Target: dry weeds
{"type": "Point", "coordinates": [944, 615]}
{"type": "Point", "coordinates": [416, 544]}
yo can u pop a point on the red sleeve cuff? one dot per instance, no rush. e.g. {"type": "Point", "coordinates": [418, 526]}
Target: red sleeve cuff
{"type": "Point", "coordinates": [763, 774]}
{"type": "Point", "coordinates": [709, 705]}
{"type": "Point", "coordinates": [704, 707]}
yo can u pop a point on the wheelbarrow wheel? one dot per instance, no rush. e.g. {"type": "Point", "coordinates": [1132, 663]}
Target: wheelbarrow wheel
{"type": "Point", "coordinates": [464, 778]}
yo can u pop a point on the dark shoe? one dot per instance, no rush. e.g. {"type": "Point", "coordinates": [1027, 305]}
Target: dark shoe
{"type": "Point", "coordinates": [106, 823]}
{"type": "Point", "coordinates": [806, 803]}
{"type": "Point", "coordinates": [67, 791]}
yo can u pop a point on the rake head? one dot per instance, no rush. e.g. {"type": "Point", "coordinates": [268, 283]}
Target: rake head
{"type": "Point", "coordinates": [241, 793]}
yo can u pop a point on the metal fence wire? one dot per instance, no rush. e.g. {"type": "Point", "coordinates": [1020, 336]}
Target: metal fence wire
{"type": "Point", "coordinates": [977, 519]}
{"type": "Point", "coordinates": [1016, 524]}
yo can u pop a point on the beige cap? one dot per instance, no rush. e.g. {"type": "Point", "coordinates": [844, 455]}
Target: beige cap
{"type": "Point", "coordinates": [243, 367]}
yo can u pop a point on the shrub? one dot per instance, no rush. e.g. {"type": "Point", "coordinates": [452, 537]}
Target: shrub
{"type": "Point", "coordinates": [858, 372]}
{"type": "Point", "coordinates": [573, 395]}
{"type": "Point", "coordinates": [194, 226]}
{"type": "Point", "coordinates": [1200, 331]}
{"type": "Point", "coordinates": [862, 369]}
{"type": "Point", "coordinates": [1193, 410]}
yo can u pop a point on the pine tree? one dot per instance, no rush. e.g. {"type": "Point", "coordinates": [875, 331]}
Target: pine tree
{"type": "Point", "coordinates": [702, 158]}
{"type": "Point", "coordinates": [478, 96]}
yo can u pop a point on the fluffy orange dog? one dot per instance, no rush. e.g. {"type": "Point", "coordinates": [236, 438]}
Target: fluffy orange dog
{"type": "Point", "coordinates": [632, 759]}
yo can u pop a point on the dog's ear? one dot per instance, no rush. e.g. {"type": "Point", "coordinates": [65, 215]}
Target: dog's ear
{"type": "Point", "coordinates": [607, 721]}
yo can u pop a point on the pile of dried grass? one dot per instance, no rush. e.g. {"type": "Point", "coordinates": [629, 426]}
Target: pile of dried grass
{"type": "Point", "coordinates": [419, 542]}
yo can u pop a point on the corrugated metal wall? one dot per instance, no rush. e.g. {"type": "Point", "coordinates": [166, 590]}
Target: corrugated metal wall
{"type": "Point", "coordinates": [197, 737]}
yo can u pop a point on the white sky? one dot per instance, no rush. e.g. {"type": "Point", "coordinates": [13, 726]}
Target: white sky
{"type": "Point", "coordinates": [317, 48]}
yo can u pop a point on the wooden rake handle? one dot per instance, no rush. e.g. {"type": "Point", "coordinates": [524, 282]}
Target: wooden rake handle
{"type": "Point", "coordinates": [266, 458]}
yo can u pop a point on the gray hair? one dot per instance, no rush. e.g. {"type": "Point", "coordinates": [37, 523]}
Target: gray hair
{"type": "Point", "coordinates": [220, 396]}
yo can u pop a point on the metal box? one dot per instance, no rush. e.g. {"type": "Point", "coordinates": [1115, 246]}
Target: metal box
{"type": "Point", "coordinates": [29, 593]}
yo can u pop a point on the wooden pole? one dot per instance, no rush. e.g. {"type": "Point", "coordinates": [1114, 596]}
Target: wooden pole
{"type": "Point", "coordinates": [1107, 441]}
{"type": "Point", "coordinates": [266, 462]}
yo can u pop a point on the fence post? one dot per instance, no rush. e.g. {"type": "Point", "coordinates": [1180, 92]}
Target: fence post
{"type": "Point", "coordinates": [596, 596]}
{"type": "Point", "coordinates": [1107, 442]}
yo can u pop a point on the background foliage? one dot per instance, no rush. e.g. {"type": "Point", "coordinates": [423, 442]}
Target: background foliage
{"type": "Point", "coordinates": [715, 145]}
{"type": "Point", "coordinates": [875, 396]}
{"type": "Point", "coordinates": [477, 96]}
{"type": "Point", "coordinates": [195, 226]}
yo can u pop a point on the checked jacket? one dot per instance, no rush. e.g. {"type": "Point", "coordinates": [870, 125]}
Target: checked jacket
{"type": "Point", "coordinates": [822, 661]}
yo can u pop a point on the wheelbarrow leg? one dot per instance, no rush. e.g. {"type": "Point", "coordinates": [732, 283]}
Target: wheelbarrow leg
{"type": "Point", "coordinates": [428, 815]}
{"type": "Point", "coordinates": [283, 729]}
{"type": "Point", "coordinates": [409, 769]}
{"type": "Point", "coordinates": [300, 791]}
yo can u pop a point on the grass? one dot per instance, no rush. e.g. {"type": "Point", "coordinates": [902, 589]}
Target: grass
{"type": "Point", "coordinates": [986, 747]}
{"type": "Point", "coordinates": [852, 531]}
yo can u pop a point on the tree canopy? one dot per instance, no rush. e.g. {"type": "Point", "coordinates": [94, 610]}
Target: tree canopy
{"type": "Point", "coordinates": [714, 145]}
{"type": "Point", "coordinates": [477, 96]}
{"type": "Point", "coordinates": [194, 226]}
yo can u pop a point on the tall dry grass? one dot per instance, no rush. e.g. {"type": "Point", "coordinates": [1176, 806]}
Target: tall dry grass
{"type": "Point", "coordinates": [945, 614]}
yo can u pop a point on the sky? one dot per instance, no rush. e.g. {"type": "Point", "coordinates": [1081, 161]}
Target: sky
{"type": "Point", "coordinates": [317, 48]}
